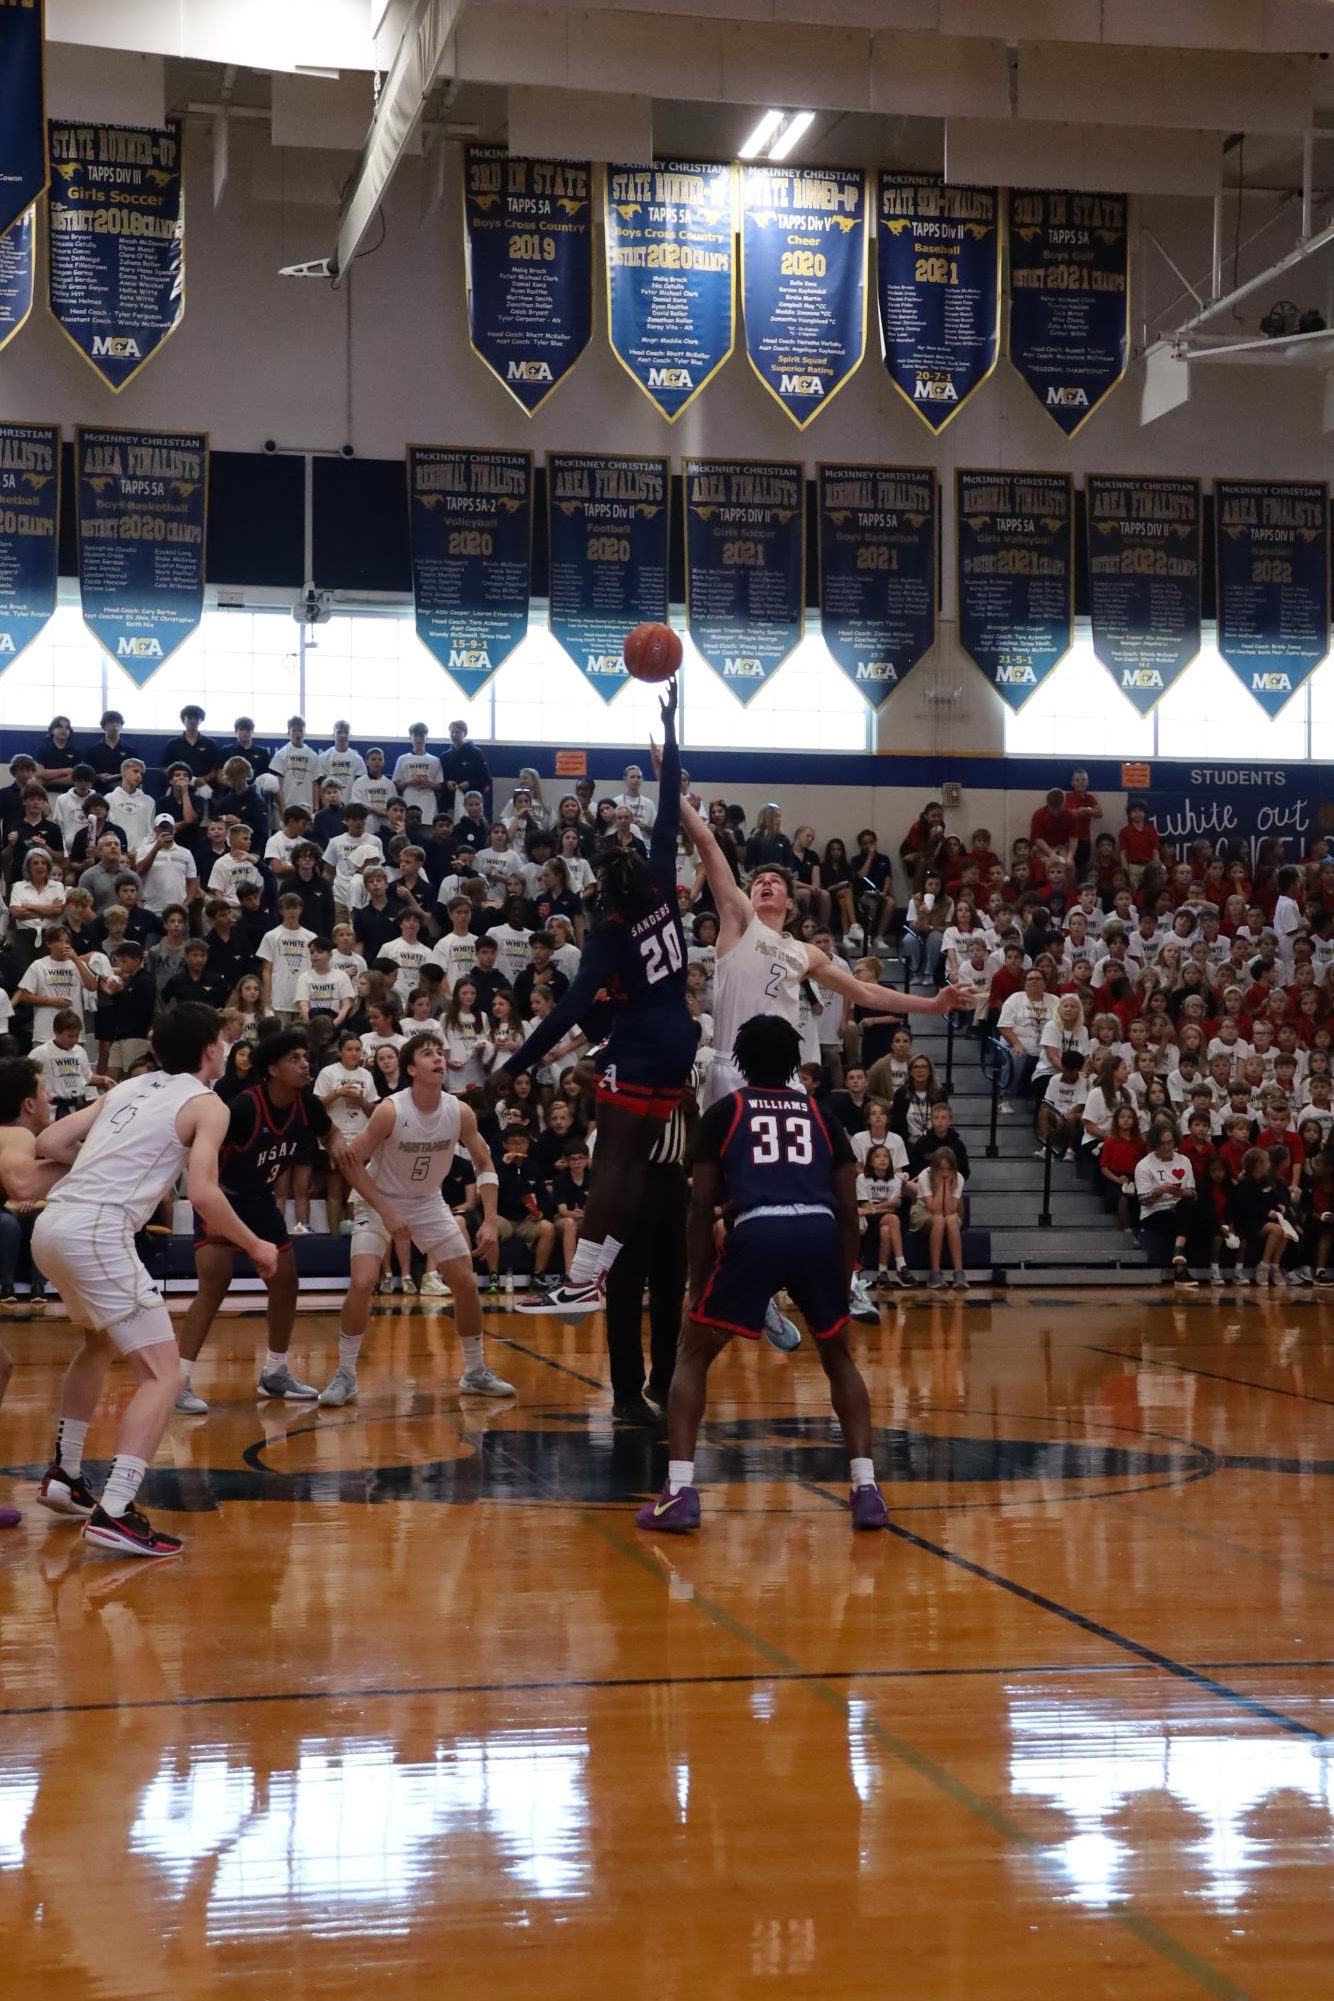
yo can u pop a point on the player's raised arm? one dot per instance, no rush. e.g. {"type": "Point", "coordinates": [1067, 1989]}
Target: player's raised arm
{"type": "Point", "coordinates": [827, 972]}
{"type": "Point", "coordinates": [667, 826]}
{"type": "Point", "coordinates": [729, 899]}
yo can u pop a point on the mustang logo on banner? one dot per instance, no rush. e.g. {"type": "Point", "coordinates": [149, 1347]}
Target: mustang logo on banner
{"type": "Point", "coordinates": [877, 571]}
{"type": "Point", "coordinates": [745, 566]}
{"type": "Point", "coordinates": [1069, 299]}
{"type": "Point", "coordinates": [117, 214]}
{"type": "Point", "coordinates": [671, 276]}
{"type": "Point", "coordinates": [18, 266]}
{"type": "Point", "coordinates": [1144, 545]}
{"type": "Point", "coordinates": [1273, 583]}
{"type": "Point", "coordinates": [143, 507]}
{"type": "Point", "coordinates": [803, 278]}
{"type": "Point", "coordinates": [607, 541]}
{"type": "Point", "coordinates": [528, 232]}
{"type": "Point", "coordinates": [1016, 533]}
{"type": "Point", "coordinates": [470, 522]}
{"type": "Point", "coordinates": [29, 532]}
{"type": "Point", "coordinates": [938, 282]}
{"type": "Point", "coordinates": [23, 161]}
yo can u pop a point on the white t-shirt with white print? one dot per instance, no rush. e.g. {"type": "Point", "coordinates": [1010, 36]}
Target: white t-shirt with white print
{"type": "Point", "coordinates": [286, 951]}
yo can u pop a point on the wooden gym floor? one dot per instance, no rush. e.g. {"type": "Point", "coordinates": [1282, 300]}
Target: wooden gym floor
{"type": "Point", "coordinates": [420, 1713]}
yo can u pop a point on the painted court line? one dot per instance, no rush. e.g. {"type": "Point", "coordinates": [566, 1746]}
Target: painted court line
{"type": "Point", "coordinates": [1212, 1375]}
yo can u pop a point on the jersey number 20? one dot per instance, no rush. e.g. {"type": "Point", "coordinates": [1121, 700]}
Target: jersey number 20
{"type": "Point", "coordinates": [768, 1147]}
{"type": "Point", "coordinates": [654, 947]}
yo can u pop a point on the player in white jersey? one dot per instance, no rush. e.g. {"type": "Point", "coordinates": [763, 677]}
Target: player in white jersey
{"type": "Point", "coordinates": [123, 1154]}
{"type": "Point", "coordinates": [407, 1149]}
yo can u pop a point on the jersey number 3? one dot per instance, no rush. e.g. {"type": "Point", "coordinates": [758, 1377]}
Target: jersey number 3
{"type": "Point", "coordinates": [768, 1147]}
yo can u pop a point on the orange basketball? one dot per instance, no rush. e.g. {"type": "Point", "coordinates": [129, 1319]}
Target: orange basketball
{"type": "Point", "coordinates": [652, 652]}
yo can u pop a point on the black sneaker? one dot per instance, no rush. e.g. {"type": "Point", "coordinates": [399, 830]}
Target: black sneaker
{"type": "Point", "coordinates": [1323, 1277]}
{"type": "Point", "coordinates": [66, 1493]}
{"type": "Point", "coordinates": [1181, 1276]}
{"type": "Point", "coordinates": [130, 1534]}
{"type": "Point", "coordinates": [902, 1276]}
{"type": "Point", "coordinates": [635, 1410]}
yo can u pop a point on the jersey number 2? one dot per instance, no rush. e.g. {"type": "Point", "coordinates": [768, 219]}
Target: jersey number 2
{"type": "Point", "coordinates": [794, 1145]}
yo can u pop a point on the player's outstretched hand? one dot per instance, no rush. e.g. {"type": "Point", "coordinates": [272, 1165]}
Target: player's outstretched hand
{"type": "Point", "coordinates": [953, 997]}
{"type": "Point", "coordinates": [264, 1258]}
{"type": "Point", "coordinates": [667, 703]}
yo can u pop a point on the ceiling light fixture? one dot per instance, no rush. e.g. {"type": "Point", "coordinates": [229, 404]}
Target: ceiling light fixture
{"type": "Point", "coordinates": [799, 123]}
{"type": "Point", "coordinates": [760, 137]}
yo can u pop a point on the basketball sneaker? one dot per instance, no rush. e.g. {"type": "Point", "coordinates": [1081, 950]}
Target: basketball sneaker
{"type": "Point", "coordinates": [282, 1383]}
{"type": "Point", "coordinates": [868, 1508]}
{"type": "Point", "coordinates": [565, 1298]}
{"type": "Point", "coordinates": [672, 1513]}
{"type": "Point", "coordinates": [189, 1403]}
{"type": "Point", "coordinates": [66, 1493]}
{"type": "Point", "coordinates": [341, 1389]}
{"type": "Point", "coordinates": [130, 1534]}
{"type": "Point", "coordinates": [779, 1331]}
{"type": "Point", "coordinates": [484, 1382]}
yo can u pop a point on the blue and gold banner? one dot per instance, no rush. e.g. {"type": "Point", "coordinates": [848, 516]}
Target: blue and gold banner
{"type": "Point", "coordinates": [1273, 583]}
{"type": "Point", "coordinates": [117, 216]}
{"type": "Point", "coordinates": [745, 566]}
{"type": "Point", "coordinates": [23, 161]}
{"type": "Point", "coordinates": [18, 268]}
{"type": "Point", "coordinates": [1069, 298]}
{"type": "Point", "coordinates": [29, 532]}
{"type": "Point", "coordinates": [528, 233]}
{"type": "Point", "coordinates": [878, 538]}
{"type": "Point", "coordinates": [1145, 538]}
{"type": "Point", "coordinates": [939, 289]}
{"type": "Point", "coordinates": [803, 278]}
{"type": "Point", "coordinates": [1016, 570]}
{"type": "Point", "coordinates": [143, 523]}
{"type": "Point", "coordinates": [607, 528]}
{"type": "Point", "coordinates": [470, 521]}
{"type": "Point", "coordinates": [671, 276]}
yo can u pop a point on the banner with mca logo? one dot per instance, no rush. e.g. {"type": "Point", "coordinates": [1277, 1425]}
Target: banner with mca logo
{"type": "Point", "coordinates": [18, 267]}
{"type": "Point", "coordinates": [1016, 569]}
{"type": "Point", "coordinates": [804, 233]}
{"type": "Point", "coordinates": [23, 161]}
{"type": "Point", "coordinates": [1069, 298]}
{"type": "Point", "coordinates": [143, 507]}
{"type": "Point", "coordinates": [1273, 583]}
{"type": "Point", "coordinates": [607, 540]}
{"type": "Point", "coordinates": [938, 284]}
{"type": "Point", "coordinates": [671, 278]}
{"type": "Point", "coordinates": [745, 566]}
{"type": "Point", "coordinates": [877, 571]}
{"type": "Point", "coordinates": [528, 240]}
{"type": "Point", "coordinates": [470, 523]}
{"type": "Point", "coordinates": [117, 217]}
{"type": "Point", "coordinates": [1145, 538]}
{"type": "Point", "coordinates": [29, 532]}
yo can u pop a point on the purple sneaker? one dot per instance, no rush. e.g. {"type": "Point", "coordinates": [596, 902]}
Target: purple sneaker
{"type": "Point", "coordinates": [672, 1513]}
{"type": "Point", "coordinates": [868, 1508]}
{"type": "Point", "coordinates": [10, 1517]}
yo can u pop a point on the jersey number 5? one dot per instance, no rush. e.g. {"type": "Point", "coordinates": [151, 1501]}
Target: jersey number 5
{"type": "Point", "coordinates": [794, 1144]}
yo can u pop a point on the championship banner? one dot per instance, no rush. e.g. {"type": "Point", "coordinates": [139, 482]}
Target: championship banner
{"type": "Point", "coordinates": [528, 241]}
{"type": "Point", "coordinates": [29, 532]}
{"type": "Point", "coordinates": [938, 284]}
{"type": "Point", "coordinates": [1069, 299]}
{"type": "Point", "coordinates": [878, 532]}
{"type": "Point", "coordinates": [23, 160]}
{"type": "Point", "coordinates": [143, 506]}
{"type": "Point", "coordinates": [1016, 537]}
{"type": "Point", "coordinates": [470, 522]}
{"type": "Point", "coordinates": [607, 541]}
{"type": "Point", "coordinates": [1273, 583]}
{"type": "Point", "coordinates": [745, 566]}
{"type": "Point", "coordinates": [117, 215]}
{"type": "Point", "coordinates": [803, 277]}
{"type": "Point", "coordinates": [1145, 541]}
{"type": "Point", "coordinates": [18, 268]}
{"type": "Point", "coordinates": [671, 276]}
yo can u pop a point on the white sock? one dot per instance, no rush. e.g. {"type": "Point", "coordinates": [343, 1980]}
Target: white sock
{"type": "Point", "coordinates": [70, 1435]}
{"type": "Point", "coordinates": [900, 1264]}
{"type": "Point", "coordinates": [586, 1263]}
{"type": "Point", "coordinates": [349, 1347]}
{"type": "Point", "coordinates": [611, 1247]}
{"type": "Point", "coordinates": [680, 1473]}
{"type": "Point", "coordinates": [473, 1358]}
{"type": "Point", "coordinates": [273, 1363]}
{"type": "Point", "coordinates": [863, 1473]}
{"type": "Point", "coordinates": [122, 1483]}
{"type": "Point", "coordinates": [186, 1367]}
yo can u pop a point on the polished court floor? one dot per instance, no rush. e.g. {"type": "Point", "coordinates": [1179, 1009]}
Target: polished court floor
{"type": "Point", "coordinates": [420, 1713]}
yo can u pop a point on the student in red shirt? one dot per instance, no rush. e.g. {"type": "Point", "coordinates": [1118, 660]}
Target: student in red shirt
{"type": "Point", "coordinates": [1197, 1146]}
{"type": "Point", "coordinates": [1007, 979]}
{"type": "Point", "coordinates": [1236, 1143]}
{"type": "Point", "coordinates": [1085, 809]}
{"type": "Point", "coordinates": [1122, 1151]}
{"type": "Point", "coordinates": [981, 852]}
{"type": "Point", "coordinates": [1054, 831]}
{"type": "Point", "coordinates": [1138, 842]}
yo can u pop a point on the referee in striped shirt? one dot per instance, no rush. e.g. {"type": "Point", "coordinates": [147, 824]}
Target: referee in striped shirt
{"type": "Point", "coordinates": [653, 1255]}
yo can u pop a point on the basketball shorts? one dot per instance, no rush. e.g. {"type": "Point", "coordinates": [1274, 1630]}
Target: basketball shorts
{"type": "Point", "coordinates": [259, 1212]}
{"type": "Point", "coordinates": [87, 1252]}
{"type": "Point", "coordinates": [430, 1225]}
{"type": "Point", "coordinates": [643, 1065]}
{"type": "Point", "coordinates": [762, 1255]}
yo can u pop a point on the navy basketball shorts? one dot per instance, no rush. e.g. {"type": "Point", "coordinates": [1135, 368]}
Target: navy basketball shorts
{"type": "Point", "coordinates": [762, 1255]}
{"type": "Point", "coordinates": [259, 1212]}
{"type": "Point", "coordinates": [644, 1066]}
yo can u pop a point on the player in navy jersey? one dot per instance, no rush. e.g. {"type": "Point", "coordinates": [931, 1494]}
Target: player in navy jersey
{"type": "Point", "coordinates": [785, 1176]}
{"type": "Point", "coordinates": [634, 969]}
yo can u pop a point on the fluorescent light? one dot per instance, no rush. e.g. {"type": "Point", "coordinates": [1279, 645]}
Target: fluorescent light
{"type": "Point", "coordinates": [761, 136]}
{"type": "Point", "coordinates": [800, 121]}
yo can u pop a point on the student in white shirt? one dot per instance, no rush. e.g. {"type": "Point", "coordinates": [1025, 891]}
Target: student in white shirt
{"type": "Point", "coordinates": [1060, 1115]}
{"type": "Point", "coordinates": [879, 1202]}
{"type": "Point", "coordinates": [1287, 919]}
{"type": "Point", "coordinates": [417, 774]}
{"type": "Point", "coordinates": [283, 959]}
{"type": "Point", "coordinates": [345, 954]}
{"type": "Point", "coordinates": [322, 989]}
{"type": "Point", "coordinates": [237, 866]}
{"type": "Point", "coordinates": [56, 982]}
{"type": "Point", "coordinates": [636, 801]}
{"type": "Point", "coordinates": [566, 955]}
{"type": "Point", "coordinates": [130, 808]}
{"type": "Point", "coordinates": [63, 1061]}
{"type": "Point", "coordinates": [457, 950]}
{"type": "Point", "coordinates": [340, 762]}
{"type": "Point", "coordinates": [347, 1092]}
{"type": "Point", "coordinates": [70, 810]}
{"type": "Point", "coordinates": [374, 791]}
{"type": "Point", "coordinates": [407, 953]}
{"type": "Point", "coordinates": [467, 1050]}
{"type": "Point", "coordinates": [511, 942]}
{"type": "Point", "coordinates": [295, 765]}
{"type": "Point", "coordinates": [347, 853]}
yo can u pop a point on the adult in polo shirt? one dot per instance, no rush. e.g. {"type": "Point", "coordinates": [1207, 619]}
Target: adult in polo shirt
{"type": "Point", "coordinates": [1173, 1222]}
{"type": "Point", "coordinates": [294, 764]}
{"type": "Point", "coordinates": [417, 774]}
{"type": "Point", "coordinates": [1022, 1020]}
{"type": "Point", "coordinates": [166, 870]}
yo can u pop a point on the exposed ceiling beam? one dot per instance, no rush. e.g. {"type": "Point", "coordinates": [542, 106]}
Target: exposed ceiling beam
{"type": "Point", "coordinates": [419, 61]}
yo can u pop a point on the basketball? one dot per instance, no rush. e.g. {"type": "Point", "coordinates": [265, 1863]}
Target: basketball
{"type": "Point", "coordinates": [652, 652]}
